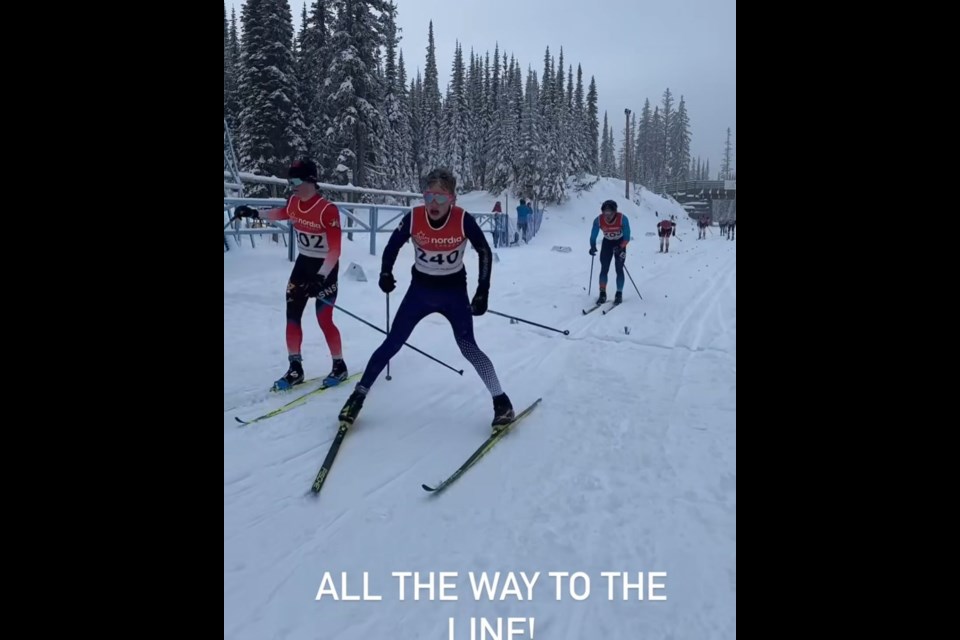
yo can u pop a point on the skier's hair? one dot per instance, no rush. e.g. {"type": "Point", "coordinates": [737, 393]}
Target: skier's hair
{"type": "Point", "coordinates": [443, 178]}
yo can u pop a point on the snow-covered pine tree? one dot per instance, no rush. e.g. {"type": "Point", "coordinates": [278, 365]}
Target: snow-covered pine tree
{"type": "Point", "coordinates": [666, 114]}
{"type": "Point", "coordinates": [679, 135]}
{"type": "Point", "coordinates": [727, 166]}
{"type": "Point", "coordinates": [658, 138]}
{"type": "Point", "coordinates": [506, 145]}
{"type": "Point", "coordinates": [593, 129]}
{"type": "Point", "coordinates": [431, 108]}
{"type": "Point", "coordinates": [417, 137]}
{"type": "Point", "coordinates": [455, 129]}
{"type": "Point", "coordinates": [271, 125]}
{"type": "Point", "coordinates": [644, 145]}
{"type": "Point", "coordinates": [356, 90]}
{"type": "Point", "coordinates": [314, 64]}
{"type": "Point", "coordinates": [396, 163]}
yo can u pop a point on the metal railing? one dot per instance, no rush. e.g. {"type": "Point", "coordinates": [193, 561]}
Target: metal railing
{"type": "Point", "coordinates": [372, 219]}
{"type": "Point", "coordinates": [507, 233]}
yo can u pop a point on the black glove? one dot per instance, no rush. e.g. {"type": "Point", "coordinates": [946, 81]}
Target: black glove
{"type": "Point", "coordinates": [593, 249]}
{"type": "Point", "coordinates": [622, 256]}
{"type": "Point", "coordinates": [315, 287]}
{"type": "Point", "coordinates": [479, 304]}
{"type": "Point", "coordinates": [320, 288]}
{"type": "Point", "coordinates": [387, 282]}
{"type": "Point", "coordinates": [243, 211]}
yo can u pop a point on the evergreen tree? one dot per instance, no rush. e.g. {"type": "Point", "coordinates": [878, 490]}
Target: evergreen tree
{"type": "Point", "coordinates": [271, 125]}
{"type": "Point", "coordinates": [357, 91]}
{"type": "Point", "coordinates": [680, 143]}
{"type": "Point", "coordinates": [593, 129]}
{"type": "Point", "coordinates": [726, 167]}
{"type": "Point", "coordinates": [431, 107]}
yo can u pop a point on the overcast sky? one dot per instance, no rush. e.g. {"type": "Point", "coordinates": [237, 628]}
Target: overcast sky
{"type": "Point", "coordinates": [634, 48]}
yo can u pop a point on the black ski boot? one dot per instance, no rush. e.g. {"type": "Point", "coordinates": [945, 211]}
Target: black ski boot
{"type": "Point", "coordinates": [603, 296]}
{"type": "Point", "coordinates": [354, 403]}
{"type": "Point", "coordinates": [337, 375]}
{"type": "Point", "coordinates": [502, 412]}
{"type": "Point", "coordinates": [618, 299]}
{"type": "Point", "coordinates": [292, 377]}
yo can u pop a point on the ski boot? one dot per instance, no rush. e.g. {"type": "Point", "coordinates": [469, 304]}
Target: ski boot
{"type": "Point", "coordinates": [502, 412]}
{"type": "Point", "coordinates": [618, 298]}
{"type": "Point", "coordinates": [337, 375]}
{"type": "Point", "coordinates": [353, 405]}
{"type": "Point", "coordinates": [292, 377]}
{"type": "Point", "coordinates": [603, 296]}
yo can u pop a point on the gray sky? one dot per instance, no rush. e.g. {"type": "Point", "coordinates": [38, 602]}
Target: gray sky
{"type": "Point", "coordinates": [634, 48]}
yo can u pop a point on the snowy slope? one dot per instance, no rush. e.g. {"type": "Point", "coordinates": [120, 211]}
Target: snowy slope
{"type": "Point", "coordinates": [628, 465]}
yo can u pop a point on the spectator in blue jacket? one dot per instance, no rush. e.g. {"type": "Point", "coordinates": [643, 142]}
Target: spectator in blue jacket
{"type": "Point", "coordinates": [523, 213]}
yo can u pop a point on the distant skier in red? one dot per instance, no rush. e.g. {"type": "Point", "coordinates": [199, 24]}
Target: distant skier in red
{"type": "Point", "coordinates": [665, 229]}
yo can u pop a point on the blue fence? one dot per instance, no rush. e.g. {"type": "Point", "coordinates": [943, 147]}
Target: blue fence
{"type": "Point", "coordinates": [372, 219]}
{"type": "Point", "coordinates": [509, 233]}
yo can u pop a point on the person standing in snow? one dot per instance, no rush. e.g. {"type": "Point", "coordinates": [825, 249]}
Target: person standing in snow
{"type": "Point", "coordinates": [440, 232]}
{"type": "Point", "coordinates": [616, 235]}
{"type": "Point", "coordinates": [523, 213]}
{"type": "Point", "coordinates": [316, 223]}
{"type": "Point", "coordinates": [665, 229]}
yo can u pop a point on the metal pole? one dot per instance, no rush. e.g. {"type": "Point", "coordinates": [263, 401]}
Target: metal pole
{"type": "Point", "coordinates": [388, 333]}
{"type": "Point", "coordinates": [565, 332]}
{"type": "Point", "coordinates": [590, 286]}
{"type": "Point", "coordinates": [373, 326]}
{"type": "Point", "coordinates": [626, 154]}
{"type": "Point", "coordinates": [632, 282]}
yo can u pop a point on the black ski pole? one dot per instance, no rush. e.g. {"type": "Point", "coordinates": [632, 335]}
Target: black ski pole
{"type": "Point", "coordinates": [388, 332]}
{"type": "Point", "coordinates": [632, 282]}
{"type": "Point", "coordinates": [593, 258]}
{"type": "Point", "coordinates": [373, 326]}
{"type": "Point", "coordinates": [565, 332]}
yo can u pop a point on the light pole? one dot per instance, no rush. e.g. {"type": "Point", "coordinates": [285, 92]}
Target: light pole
{"type": "Point", "coordinates": [626, 153]}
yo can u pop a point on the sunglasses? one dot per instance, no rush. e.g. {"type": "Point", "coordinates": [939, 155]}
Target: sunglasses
{"type": "Point", "coordinates": [440, 198]}
{"type": "Point", "coordinates": [295, 182]}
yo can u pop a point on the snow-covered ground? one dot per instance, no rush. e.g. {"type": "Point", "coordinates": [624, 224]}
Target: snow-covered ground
{"type": "Point", "coordinates": [628, 465]}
